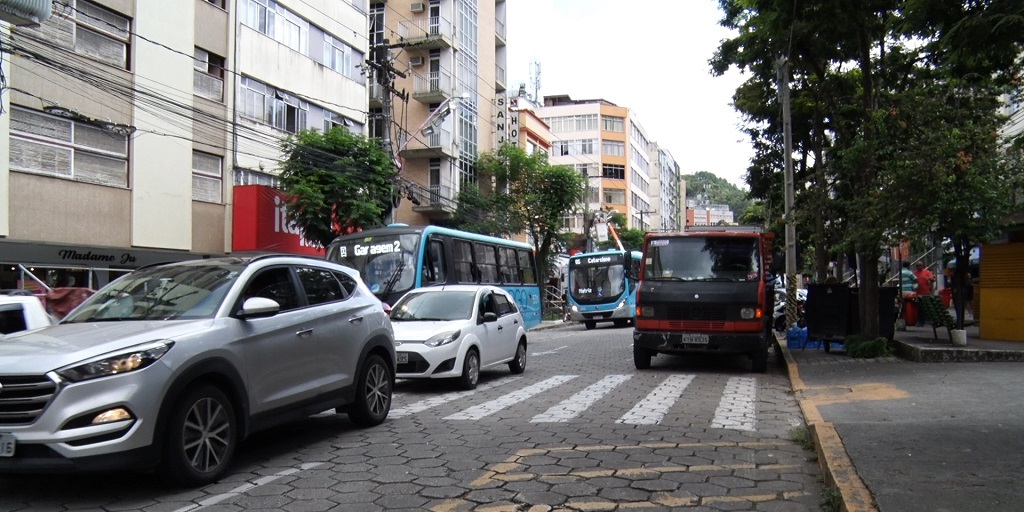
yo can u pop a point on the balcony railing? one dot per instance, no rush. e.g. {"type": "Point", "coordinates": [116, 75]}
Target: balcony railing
{"type": "Point", "coordinates": [436, 87]}
{"type": "Point", "coordinates": [436, 145]}
{"type": "Point", "coordinates": [432, 32]}
{"type": "Point", "coordinates": [440, 201]}
{"type": "Point", "coordinates": [499, 78]}
{"type": "Point", "coordinates": [499, 32]}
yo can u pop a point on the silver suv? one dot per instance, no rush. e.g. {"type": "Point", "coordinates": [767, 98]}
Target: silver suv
{"type": "Point", "coordinates": [169, 367]}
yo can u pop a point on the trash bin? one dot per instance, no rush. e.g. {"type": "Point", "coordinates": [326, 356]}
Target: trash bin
{"type": "Point", "coordinates": [886, 311]}
{"type": "Point", "coordinates": [827, 311]}
{"type": "Point", "coordinates": [910, 310]}
{"type": "Point", "coordinates": [947, 297]}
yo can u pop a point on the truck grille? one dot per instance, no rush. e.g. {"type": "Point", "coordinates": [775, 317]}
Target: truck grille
{"type": "Point", "coordinates": [697, 312]}
{"type": "Point", "coordinates": [22, 399]}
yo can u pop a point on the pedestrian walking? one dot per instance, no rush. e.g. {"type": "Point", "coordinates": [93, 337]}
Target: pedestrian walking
{"type": "Point", "coordinates": [925, 283]}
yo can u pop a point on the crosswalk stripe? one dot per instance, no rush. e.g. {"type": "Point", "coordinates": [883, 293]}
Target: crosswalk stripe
{"type": "Point", "coordinates": [656, 404]}
{"type": "Point", "coordinates": [736, 409]}
{"type": "Point", "coordinates": [435, 401]}
{"type": "Point", "coordinates": [493, 406]}
{"type": "Point", "coordinates": [576, 404]}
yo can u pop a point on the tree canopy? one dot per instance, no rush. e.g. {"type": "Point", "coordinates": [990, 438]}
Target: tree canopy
{"type": "Point", "coordinates": [337, 182]}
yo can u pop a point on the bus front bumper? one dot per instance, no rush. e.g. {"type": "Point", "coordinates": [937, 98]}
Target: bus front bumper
{"type": "Point", "coordinates": [596, 314]}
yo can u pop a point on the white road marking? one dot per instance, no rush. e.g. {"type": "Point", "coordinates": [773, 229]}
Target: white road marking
{"type": "Point", "coordinates": [736, 410]}
{"type": "Point", "coordinates": [488, 408]}
{"type": "Point", "coordinates": [435, 401]}
{"type": "Point", "coordinates": [248, 486]}
{"type": "Point", "coordinates": [546, 352]}
{"type": "Point", "coordinates": [656, 404]}
{"type": "Point", "coordinates": [576, 404]}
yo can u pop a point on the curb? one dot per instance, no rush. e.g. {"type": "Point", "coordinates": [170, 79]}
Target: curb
{"type": "Point", "coordinates": [839, 472]}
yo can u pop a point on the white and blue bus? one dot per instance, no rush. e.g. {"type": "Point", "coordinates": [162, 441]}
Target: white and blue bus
{"type": "Point", "coordinates": [600, 289]}
{"type": "Point", "coordinates": [395, 259]}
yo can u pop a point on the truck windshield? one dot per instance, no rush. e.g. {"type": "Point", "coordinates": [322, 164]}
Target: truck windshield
{"type": "Point", "coordinates": [699, 258]}
{"type": "Point", "coordinates": [597, 277]}
{"type": "Point", "coordinates": [386, 263]}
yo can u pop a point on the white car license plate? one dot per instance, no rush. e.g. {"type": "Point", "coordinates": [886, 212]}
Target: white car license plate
{"type": "Point", "coordinates": [403, 357]}
{"type": "Point", "coordinates": [695, 339]}
{"type": "Point", "coordinates": [7, 443]}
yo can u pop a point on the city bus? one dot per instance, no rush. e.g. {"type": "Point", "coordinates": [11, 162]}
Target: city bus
{"type": "Point", "coordinates": [600, 289]}
{"type": "Point", "coordinates": [395, 259]}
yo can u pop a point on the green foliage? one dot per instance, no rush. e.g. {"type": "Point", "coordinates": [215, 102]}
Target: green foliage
{"type": "Point", "coordinates": [831, 500]}
{"type": "Point", "coordinates": [335, 181]}
{"type": "Point", "coordinates": [520, 193]}
{"type": "Point", "coordinates": [718, 191]}
{"type": "Point", "coordinates": [860, 348]}
{"type": "Point", "coordinates": [802, 435]}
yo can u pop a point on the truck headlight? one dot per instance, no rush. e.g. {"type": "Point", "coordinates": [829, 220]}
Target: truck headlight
{"type": "Point", "coordinates": [747, 313]}
{"type": "Point", "coordinates": [126, 361]}
{"type": "Point", "coordinates": [646, 311]}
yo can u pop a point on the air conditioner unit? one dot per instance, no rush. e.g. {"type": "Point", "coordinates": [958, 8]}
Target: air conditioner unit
{"type": "Point", "coordinates": [416, 61]}
{"type": "Point", "coordinates": [417, 7]}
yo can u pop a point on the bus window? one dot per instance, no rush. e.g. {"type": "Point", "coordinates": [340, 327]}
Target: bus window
{"type": "Point", "coordinates": [434, 264]}
{"type": "Point", "coordinates": [508, 265]}
{"type": "Point", "coordinates": [486, 262]}
{"type": "Point", "coordinates": [527, 272]}
{"type": "Point", "coordinates": [465, 271]}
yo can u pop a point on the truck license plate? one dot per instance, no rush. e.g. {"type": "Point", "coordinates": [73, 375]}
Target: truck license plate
{"type": "Point", "coordinates": [695, 339]}
{"type": "Point", "coordinates": [403, 357]}
{"type": "Point", "coordinates": [7, 443]}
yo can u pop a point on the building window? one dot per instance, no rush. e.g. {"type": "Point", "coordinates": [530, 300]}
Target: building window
{"type": "Point", "coordinates": [217, 3]}
{"type": "Point", "coordinates": [613, 124]}
{"type": "Point", "coordinates": [57, 146]}
{"type": "Point", "coordinates": [580, 123]}
{"type": "Point", "coordinates": [278, 23]}
{"type": "Point", "coordinates": [613, 148]}
{"type": "Point", "coordinates": [208, 76]}
{"type": "Point", "coordinates": [207, 177]}
{"type": "Point", "coordinates": [249, 177]}
{"type": "Point", "coordinates": [89, 30]}
{"type": "Point", "coordinates": [263, 103]}
{"type": "Point", "coordinates": [614, 196]}
{"type": "Point", "coordinates": [342, 58]}
{"type": "Point", "coordinates": [614, 172]}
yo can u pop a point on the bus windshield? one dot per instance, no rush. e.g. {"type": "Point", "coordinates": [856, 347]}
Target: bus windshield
{"type": "Point", "coordinates": [597, 277]}
{"type": "Point", "coordinates": [386, 263]}
{"type": "Point", "coordinates": [699, 258]}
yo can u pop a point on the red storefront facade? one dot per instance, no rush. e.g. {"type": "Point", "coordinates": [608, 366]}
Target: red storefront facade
{"type": "Point", "coordinates": [260, 223]}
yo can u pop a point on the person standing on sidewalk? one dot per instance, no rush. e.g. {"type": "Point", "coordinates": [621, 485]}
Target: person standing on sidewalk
{"type": "Point", "coordinates": [925, 281]}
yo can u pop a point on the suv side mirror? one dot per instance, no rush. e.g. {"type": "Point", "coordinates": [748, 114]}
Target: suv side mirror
{"type": "Point", "coordinates": [256, 307]}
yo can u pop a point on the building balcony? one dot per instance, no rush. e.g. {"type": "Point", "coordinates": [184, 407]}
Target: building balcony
{"type": "Point", "coordinates": [436, 87]}
{"type": "Point", "coordinates": [376, 94]}
{"type": "Point", "coordinates": [439, 203]}
{"type": "Point", "coordinates": [499, 32]}
{"type": "Point", "coordinates": [438, 144]}
{"type": "Point", "coordinates": [427, 33]}
{"type": "Point", "coordinates": [499, 78]}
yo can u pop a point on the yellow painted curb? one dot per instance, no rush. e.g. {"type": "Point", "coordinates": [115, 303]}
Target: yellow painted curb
{"type": "Point", "coordinates": [840, 473]}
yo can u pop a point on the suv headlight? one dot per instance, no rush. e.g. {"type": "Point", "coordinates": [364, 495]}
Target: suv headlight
{"type": "Point", "coordinates": [135, 358]}
{"type": "Point", "coordinates": [443, 339]}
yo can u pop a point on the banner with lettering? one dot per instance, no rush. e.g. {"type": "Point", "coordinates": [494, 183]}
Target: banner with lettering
{"type": "Point", "coordinates": [260, 223]}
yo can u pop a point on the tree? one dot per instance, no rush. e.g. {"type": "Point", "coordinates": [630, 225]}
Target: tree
{"type": "Point", "coordinates": [336, 182]}
{"type": "Point", "coordinates": [520, 193]}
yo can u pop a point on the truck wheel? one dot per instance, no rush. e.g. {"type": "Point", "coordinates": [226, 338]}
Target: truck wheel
{"type": "Point", "coordinates": [589, 324]}
{"type": "Point", "coordinates": [759, 360]}
{"type": "Point", "coordinates": [641, 358]}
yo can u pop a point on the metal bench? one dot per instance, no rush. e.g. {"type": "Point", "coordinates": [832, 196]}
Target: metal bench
{"type": "Point", "coordinates": [936, 314]}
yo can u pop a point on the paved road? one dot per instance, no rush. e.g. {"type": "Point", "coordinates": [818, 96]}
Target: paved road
{"type": "Point", "coordinates": [582, 429]}
{"type": "Point", "coordinates": [926, 436]}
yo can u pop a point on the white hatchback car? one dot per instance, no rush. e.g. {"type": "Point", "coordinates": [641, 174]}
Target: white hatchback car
{"type": "Point", "coordinates": [456, 331]}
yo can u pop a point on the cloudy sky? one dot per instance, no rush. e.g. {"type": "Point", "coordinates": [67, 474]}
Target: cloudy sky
{"type": "Point", "coordinates": [650, 56]}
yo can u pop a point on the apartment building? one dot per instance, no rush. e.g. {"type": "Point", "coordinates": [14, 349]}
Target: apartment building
{"type": "Point", "coordinates": [449, 59]}
{"type": "Point", "coordinates": [669, 191]}
{"type": "Point", "coordinates": [130, 125]}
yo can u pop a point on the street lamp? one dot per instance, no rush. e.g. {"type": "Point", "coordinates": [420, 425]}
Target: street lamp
{"type": "Point", "coordinates": [430, 125]}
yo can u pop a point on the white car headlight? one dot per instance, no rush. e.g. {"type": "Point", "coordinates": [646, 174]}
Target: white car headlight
{"type": "Point", "coordinates": [135, 358]}
{"type": "Point", "coordinates": [443, 339]}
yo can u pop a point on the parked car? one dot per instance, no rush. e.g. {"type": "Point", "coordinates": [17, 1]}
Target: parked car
{"type": "Point", "coordinates": [22, 312]}
{"type": "Point", "coordinates": [171, 366]}
{"type": "Point", "coordinates": [456, 331]}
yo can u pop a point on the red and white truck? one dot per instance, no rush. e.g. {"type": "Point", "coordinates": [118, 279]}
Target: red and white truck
{"type": "Point", "coordinates": [705, 290]}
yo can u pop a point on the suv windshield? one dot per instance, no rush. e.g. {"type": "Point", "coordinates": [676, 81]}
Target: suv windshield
{"type": "Point", "coordinates": [435, 305]}
{"type": "Point", "coordinates": [385, 263]}
{"type": "Point", "coordinates": [160, 293]}
{"type": "Point", "coordinates": [698, 258]}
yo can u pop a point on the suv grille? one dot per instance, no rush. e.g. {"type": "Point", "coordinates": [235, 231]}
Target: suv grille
{"type": "Point", "coordinates": [22, 399]}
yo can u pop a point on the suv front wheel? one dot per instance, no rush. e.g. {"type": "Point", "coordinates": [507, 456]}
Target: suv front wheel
{"type": "Point", "coordinates": [202, 435]}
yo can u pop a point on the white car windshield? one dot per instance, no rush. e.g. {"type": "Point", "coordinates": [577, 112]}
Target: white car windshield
{"type": "Point", "coordinates": [435, 306]}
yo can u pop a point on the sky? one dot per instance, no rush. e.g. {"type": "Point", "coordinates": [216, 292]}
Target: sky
{"type": "Point", "coordinates": [649, 56]}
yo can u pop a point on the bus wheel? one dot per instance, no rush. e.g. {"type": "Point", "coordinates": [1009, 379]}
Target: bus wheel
{"type": "Point", "coordinates": [589, 324]}
{"type": "Point", "coordinates": [641, 358]}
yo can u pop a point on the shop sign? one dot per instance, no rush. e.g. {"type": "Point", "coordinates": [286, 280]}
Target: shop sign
{"type": "Point", "coordinates": [261, 223]}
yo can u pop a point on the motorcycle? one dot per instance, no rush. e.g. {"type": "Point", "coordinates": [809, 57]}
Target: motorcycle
{"type": "Point", "coordinates": [779, 315]}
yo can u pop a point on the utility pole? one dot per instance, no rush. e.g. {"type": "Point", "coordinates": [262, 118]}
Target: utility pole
{"type": "Point", "coordinates": [783, 73]}
{"type": "Point", "coordinates": [642, 225]}
{"type": "Point", "coordinates": [384, 73]}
